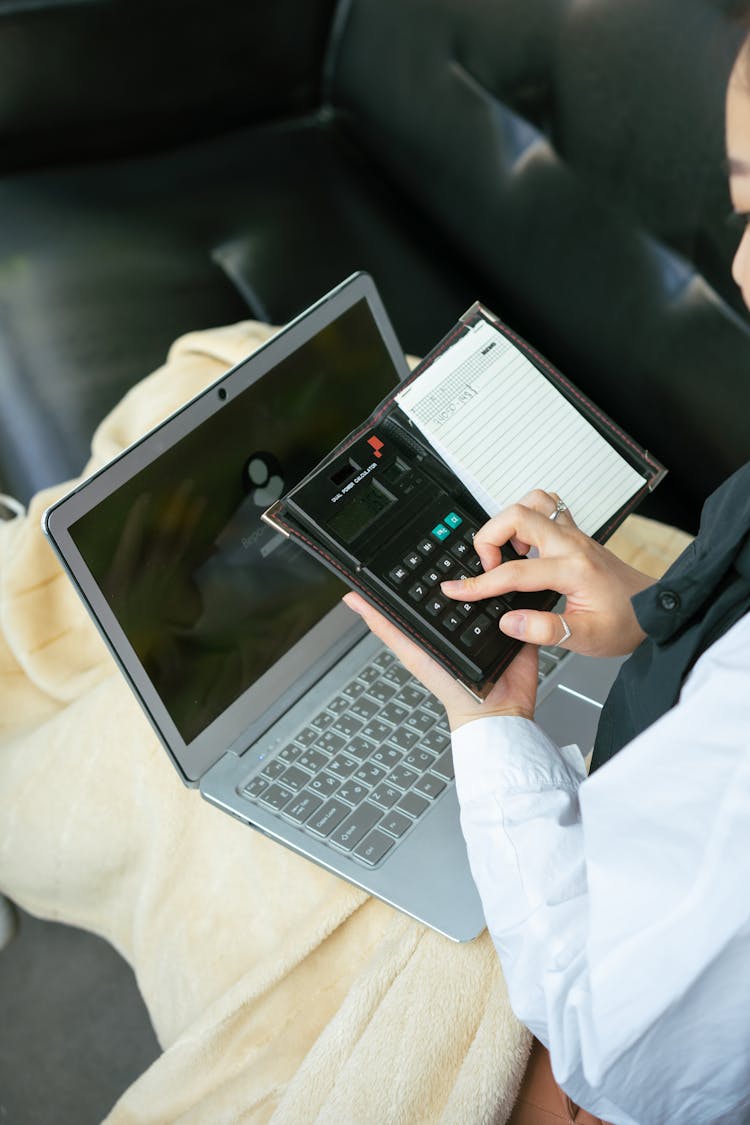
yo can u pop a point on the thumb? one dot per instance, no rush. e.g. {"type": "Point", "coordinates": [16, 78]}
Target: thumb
{"type": "Point", "coordinates": [541, 629]}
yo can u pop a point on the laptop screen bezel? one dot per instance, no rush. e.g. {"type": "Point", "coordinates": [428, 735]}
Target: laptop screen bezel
{"type": "Point", "coordinates": [255, 709]}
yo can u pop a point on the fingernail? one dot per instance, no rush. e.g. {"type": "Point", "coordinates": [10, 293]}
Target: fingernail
{"type": "Point", "coordinates": [453, 586]}
{"type": "Point", "coordinates": [513, 624]}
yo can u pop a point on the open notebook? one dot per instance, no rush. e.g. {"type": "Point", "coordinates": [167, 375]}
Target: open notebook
{"type": "Point", "coordinates": [481, 421]}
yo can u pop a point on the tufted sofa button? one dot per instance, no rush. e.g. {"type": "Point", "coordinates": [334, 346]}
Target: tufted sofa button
{"type": "Point", "coordinates": [668, 600]}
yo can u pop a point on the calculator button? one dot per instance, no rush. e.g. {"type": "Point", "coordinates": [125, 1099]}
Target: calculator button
{"type": "Point", "coordinates": [464, 608]}
{"type": "Point", "coordinates": [495, 608]}
{"type": "Point", "coordinates": [473, 563]}
{"type": "Point", "coordinates": [452, 520]}
{"type": "Point", "coordinates": [398, 574]}
{"type": "Point", "coordinates": [452, 620]}
{"type": "Point", "coordinates": [476, 631]}
{"type": "Point", "coordinates": [446, 565]}
{"type": "Point", "coordinates": [418, 591]}
{"type": "Point", "coordinates": [426, 547]}
{"type": "Point", "coordinates": [413, 560]}
{"type": "Point", "coordinates": [432, 576]}
{"type": "Point", "coordinates": [469, 533]}
{"type": "Point", "coordinates": [440, 532]}
{"type": "Point", "coordinates": [435, 606]}
{"type": "Point", "coordinates": [460, 549]}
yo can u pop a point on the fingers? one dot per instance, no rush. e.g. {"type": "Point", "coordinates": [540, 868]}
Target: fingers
{"type": "Point", "coordinates": [525, 524]}
{"type": "Point", "coordinates": [546, 629]}
{"type": "Point", "coordinates": [411, 656]}
{"type": "Point", "coordinates": [525, 575]}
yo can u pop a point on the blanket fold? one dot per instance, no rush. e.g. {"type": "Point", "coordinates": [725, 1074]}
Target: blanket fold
{"type": "Point", "coordinates": [278, 992]}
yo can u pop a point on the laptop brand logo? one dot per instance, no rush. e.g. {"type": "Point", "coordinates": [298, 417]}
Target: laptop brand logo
{"type": "Point", "coordinates": [262, 478]}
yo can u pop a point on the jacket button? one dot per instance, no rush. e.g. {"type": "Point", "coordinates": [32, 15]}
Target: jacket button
{"type": "Point", "coordinates": [668, 600]}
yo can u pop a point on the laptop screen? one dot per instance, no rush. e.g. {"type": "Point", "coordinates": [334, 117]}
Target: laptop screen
{"type": "Point", "coordinates": [208, 596]}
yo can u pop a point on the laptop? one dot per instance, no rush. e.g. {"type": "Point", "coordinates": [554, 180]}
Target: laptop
{"type": "Point", "coordinates": [267, 693]}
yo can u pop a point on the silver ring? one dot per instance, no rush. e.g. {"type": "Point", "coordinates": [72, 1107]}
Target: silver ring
{"type": "Point", "coordinates": [566, 635]}
{"type": "Point", "coordinates": [560, 506]}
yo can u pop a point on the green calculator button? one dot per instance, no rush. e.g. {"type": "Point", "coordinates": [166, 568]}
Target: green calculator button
{"type": "Point", "coordinates": [440, 531]}
{"type": "Point", "coordinates": [453, 521]}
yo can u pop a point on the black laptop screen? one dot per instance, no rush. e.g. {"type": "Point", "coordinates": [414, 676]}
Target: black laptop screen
{"type": "Point", "coordinates": [208, 595]}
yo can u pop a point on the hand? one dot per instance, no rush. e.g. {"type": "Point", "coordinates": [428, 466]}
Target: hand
{"type": "Point", "coordinates": [596, 584]}
{"type": "Point", "coordinates": [513, 694]}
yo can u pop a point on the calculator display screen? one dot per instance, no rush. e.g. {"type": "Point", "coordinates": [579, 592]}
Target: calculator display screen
{"type": "Point", "coordinates": [361, 512]}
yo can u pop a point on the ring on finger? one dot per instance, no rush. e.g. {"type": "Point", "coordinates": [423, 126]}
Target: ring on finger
{"type": "Point", "coordinates": [566, 630]}
{"type": "Point", "coordinates": [560, 506]}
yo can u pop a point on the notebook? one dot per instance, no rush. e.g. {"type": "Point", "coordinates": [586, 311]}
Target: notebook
{"type": "Point", "coordinates": [268, 695]}
{"type": "Point", "coordinates": [481, 422]}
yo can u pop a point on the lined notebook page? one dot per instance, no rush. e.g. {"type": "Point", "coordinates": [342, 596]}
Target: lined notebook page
{"type": "Point", "coordinates": [504, 429]}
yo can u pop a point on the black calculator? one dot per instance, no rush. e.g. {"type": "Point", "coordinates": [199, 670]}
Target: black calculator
{"type": "Point", "coordinates": [395, 522]}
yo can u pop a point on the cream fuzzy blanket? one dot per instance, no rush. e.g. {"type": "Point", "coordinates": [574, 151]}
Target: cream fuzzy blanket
{"type": "Point", "coordinates": [278, 993]}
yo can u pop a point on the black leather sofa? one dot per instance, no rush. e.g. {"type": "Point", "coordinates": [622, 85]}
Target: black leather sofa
{"type": "Point", "coordinates": [171, 166]}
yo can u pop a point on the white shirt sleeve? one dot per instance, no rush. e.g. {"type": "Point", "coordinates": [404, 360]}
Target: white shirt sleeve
{"type": "Point", "coordinates": [619, 904]}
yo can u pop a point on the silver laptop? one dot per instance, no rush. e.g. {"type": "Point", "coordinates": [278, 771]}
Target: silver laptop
{"type": "Point", "coordinates": [267, 693]}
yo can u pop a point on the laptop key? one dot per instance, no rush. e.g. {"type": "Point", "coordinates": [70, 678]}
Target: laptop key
{"type": "Point", "coordinates": [420, 720]}
{"type": "Point", "coordinates": [359, 748]}
{"type": "Point", "coordinates": [397, 675]}
{"type": "Point", "coordinates": [443, 767]}
{"type": "Point", "coordinates": [412, 804]}
{"type": "Point", "coordinates": [312, 760]}
{"type": "Point", "coordinates": [306, 737]}
{"type": "Point", "coordinates": [353, 792]}
{"type": "Point", "coordinates": [381, 691]}
{"type": "Point", "coordinates": [369, 774]}
{"type": "Point", "coordinates": [330, 743]}
{"type": "Point", "coordinates": [404, 738]}
{"type": "Point", "coordinates": [373, 847]}
{"type": "Point", "coordinates": [324, 783]}
{"type": "Point", "coordinates": [395, 823]}
{"type": "Point", "coordinates": [342, 766]}
{"type": "Point", "coordinates": [347, 726]}
{"type": "Point", "coordinates": [255, 787]}
{"type": "Point", "coordinates": [377, 730]}
{"type": "Point", "coordinates": [353, 690]}
{"type": "Point", "coordinates": [385, 795]}
{"type": "Point", "coordinates": [429, 785]}
{"type": "Point", "coordinates": [364, 708]}
{"type": "Point", "coordinates": [435, 740]}
{"type": "Point", "coordinates": [338, 705]}
{"type": "Point", "coordinates": [302, 807]}
{"type": "Point", "coordinates": [322, 721]}
{"type": "Point", "coordinates": [402, 777]}
{"type": "Point", "coordinates": [393, 713]}
{"type": "Point", "coordinates": [294, 779]}
{"type": "Point", "coordinates": [384, 659]}
{"type": "Point", "coordinates": [387, 756]}
{"type": "Point", "coordinates": [410, 695]}
{"type": "Point", "coordinates": [327, 818]}
{"type": "Point", "coordinates": [357, 824]}
{"type": "Point", "coordinates": [276, 796]}
{"type": "Point", "coordinates": [274, 769]}
{"type": "Point", "coordinates": [419, 760]}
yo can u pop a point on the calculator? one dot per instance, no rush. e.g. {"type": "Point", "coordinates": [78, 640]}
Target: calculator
{"type": "Point", "coordinates": [394, 521]}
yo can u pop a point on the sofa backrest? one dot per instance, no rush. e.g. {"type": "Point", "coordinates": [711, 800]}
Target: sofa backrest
{"type": "Point", "coordinates": [91, 78]}
{"type": "Point", "coordinates": [572, 152]}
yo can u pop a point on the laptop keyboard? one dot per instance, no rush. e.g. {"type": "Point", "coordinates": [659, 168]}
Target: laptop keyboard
{"type": "Point", "coordinates": [375, 759]}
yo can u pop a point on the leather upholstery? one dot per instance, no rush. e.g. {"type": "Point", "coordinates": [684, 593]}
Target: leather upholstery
{"type": "Point", "coordinates": [560, 160]}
